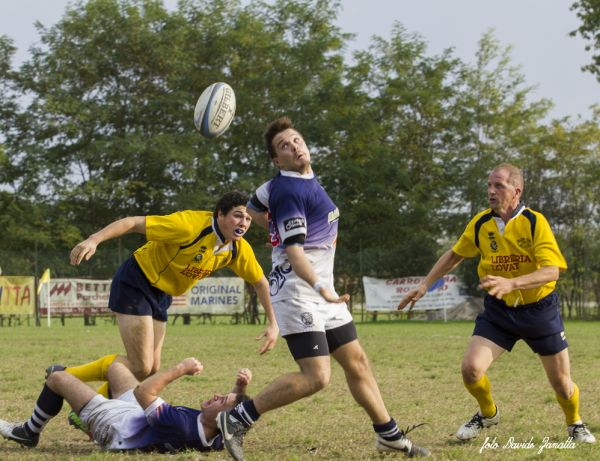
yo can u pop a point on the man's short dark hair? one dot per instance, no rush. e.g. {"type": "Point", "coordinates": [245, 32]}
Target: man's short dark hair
{"type": "Point", "coordinates": [230, 200]}
{"type": "Point", "coordinates": [275, 127]}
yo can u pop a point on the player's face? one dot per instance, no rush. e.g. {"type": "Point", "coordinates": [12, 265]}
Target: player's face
{"type": "Point", "coordinates": [291, 150]}
{"type": "Point", "coordinates": [219, 402]}
{"type": "Point", "coordinates": [503, 196]}
{"type": "Point", "coordinates": [235, 223]}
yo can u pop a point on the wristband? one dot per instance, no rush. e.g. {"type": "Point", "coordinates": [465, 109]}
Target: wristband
{"type": "Point", "coordinates": [317, 287]}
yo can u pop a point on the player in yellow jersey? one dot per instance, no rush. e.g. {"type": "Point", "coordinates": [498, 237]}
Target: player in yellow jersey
{"type": "Point", "coordinates": [182, 248]}
{"type": "Point", "coordinates": [519, 265]}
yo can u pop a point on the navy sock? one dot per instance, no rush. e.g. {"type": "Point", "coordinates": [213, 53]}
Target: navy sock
{"type": "Point", "coordinates": [245, 413]}
{"type": "Point", "coordinates": [388, 431]}
{"type": "Point", "coordinates": [47, 406]}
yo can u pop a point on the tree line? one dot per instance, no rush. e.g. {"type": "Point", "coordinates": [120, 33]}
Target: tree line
{"type": "Point", "coordinates": [97, 124]}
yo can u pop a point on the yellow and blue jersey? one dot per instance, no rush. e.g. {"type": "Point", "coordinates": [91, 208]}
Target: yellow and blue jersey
{"type": "Point", "coordinates": [187, 246]}
{"type": "Point", "coordinates": [521, 246]}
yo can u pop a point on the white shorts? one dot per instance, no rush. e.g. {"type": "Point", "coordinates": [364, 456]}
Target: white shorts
{"type": "Point", "coordinates": [107, 419]}
{"type": "Point", "coordinates": [300, 316]}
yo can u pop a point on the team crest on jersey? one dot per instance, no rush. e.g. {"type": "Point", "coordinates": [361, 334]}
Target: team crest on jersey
{"type": "Point", "coordinates": [307, 318]}
{"type": "Point", "coordinates": [493, 243]}
{"type": "Point", "coordinates": [294, 223]}
{"type": "Point", "coordinates": [200, 254]}
{"type": "Point", "coordinates": [524, 242]}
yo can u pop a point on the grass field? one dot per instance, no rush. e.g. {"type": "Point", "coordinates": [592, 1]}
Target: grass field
{"type": "Point", "coordinates": [416, 364]}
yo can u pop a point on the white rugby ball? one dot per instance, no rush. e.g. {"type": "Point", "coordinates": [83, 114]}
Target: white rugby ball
{"type": "Point", "coordinates": [215, 110]}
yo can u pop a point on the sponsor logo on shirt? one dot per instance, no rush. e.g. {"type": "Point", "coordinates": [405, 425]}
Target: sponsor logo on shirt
{"type": "Point", "coordinates": [293, 223]}
{"type": "Point", "coordinates": [508, 262]}
{"type": "Point", "coordinates": [195, 273]}
{"type": "Point", "coordinates": [333, 216]}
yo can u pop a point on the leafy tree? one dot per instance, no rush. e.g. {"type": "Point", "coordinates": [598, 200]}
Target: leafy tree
{"type": "Point", "coordinates": [97, 124]}
{"type": "Point", "coordinates": [589, 13]}
{"type": "Point", "coordinates": [389, 156]}
{"type": "Point", "coordinates": [113, 85]}
{"type": "Point", "coordinates": [566, 187]}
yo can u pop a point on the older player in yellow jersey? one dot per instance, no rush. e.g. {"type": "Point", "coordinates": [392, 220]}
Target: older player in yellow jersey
{"type": "Point", "coordinates": [519, 265]}
{"type": "Point", "coordinates": [182, 248]}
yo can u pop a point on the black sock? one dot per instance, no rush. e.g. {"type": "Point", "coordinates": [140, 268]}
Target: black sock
{"type": "Point", "coordinates": [245, 413]}
{"type": "Point", "coordinates": [47, 406]}
{"type": "Point", "coordinates": [388, 431]}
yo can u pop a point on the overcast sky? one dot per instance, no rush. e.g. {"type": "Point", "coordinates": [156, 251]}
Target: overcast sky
{"type": "Point", "coordinates": [537, 30]}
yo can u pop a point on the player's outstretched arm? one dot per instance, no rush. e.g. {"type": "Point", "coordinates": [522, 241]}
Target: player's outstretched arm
{"type": "Point", "coordinates": [149, 389]}
{"type": "Point", "coordinates": [87, 248]}
{"type": "Point", "coordinates": [271, 333]}
{"type": "Point", "coordinates": [447, 262]}
{"type": "Point", "coordinates": [303, 268]}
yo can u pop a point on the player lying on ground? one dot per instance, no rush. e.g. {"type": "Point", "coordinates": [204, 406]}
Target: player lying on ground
{"type": "Point", "coordinates": [137, 418]}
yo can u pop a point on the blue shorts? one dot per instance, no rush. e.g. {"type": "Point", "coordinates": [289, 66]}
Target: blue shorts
{"type": "Point", "coordinates": [132, 294]}
{"type": "Point", "coordinates": [538, 324]}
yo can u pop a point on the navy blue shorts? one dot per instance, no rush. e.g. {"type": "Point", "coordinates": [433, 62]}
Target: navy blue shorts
{"type": "Point", "coordinates": [132, 294]}
{"type": "Point", "coordinates": [538, 324]}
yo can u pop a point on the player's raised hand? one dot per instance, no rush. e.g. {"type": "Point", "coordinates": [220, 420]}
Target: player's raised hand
{"type": "Point", "coordinates": [191, 366]}
{"type": "Point", "coordinates": [244, 376]}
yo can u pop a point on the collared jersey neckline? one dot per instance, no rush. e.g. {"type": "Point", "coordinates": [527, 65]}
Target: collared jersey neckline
{"type": "Point", "coordinates": [500, 222]}
{"type": "Point", "coordinates": [295, 174]}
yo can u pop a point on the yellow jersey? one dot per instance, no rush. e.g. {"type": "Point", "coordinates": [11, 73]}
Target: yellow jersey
{"type": "Point", "coordinates": [521, 246]}
{"type": "Point", "coordinates": [187, 246]}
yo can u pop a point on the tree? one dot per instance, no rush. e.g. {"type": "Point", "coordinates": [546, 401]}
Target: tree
{"type": "Point", "coordinates": [564, 183]}
{"type": "Point", "coordinates": [388, 169]}
{"type": "Point", "coordinates": [109, 132]}
{"type": "Point", "coordinates": [589, 13]}
{"type": "Point", "coordinates": [97, 125]}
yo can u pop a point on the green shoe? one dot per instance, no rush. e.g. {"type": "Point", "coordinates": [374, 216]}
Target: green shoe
{"type": "Point", "coordinates": [75, 421]}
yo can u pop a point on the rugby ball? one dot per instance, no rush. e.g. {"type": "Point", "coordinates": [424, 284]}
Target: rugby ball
{"type": "Point", "coordinates": [215, 110]}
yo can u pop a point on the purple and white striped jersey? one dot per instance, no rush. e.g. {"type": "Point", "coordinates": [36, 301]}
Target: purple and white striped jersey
{"type": "Point", "coordinates": [299, 212]}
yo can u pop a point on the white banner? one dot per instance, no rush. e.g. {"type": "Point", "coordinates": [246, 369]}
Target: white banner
{"type": "Point", "coordinates": [73, 296]}
{"type": "Point", "coordinates": [213, 295]}
{"type": "Point", "coordinates": [385, 294]}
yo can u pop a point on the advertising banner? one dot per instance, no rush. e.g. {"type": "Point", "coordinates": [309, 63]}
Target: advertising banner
{"type": "Point", "coordinates": [17, 295]}
{"type": "Point", "coordinates": [213, 295]}
{"type": "Point", "coordinates": [385, 294]}
{"type": "Point", "coordinates": [75, 296]}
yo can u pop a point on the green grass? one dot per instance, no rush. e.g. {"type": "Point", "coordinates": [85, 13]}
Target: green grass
{"type": "Point", "coordinates": [417, 366]}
